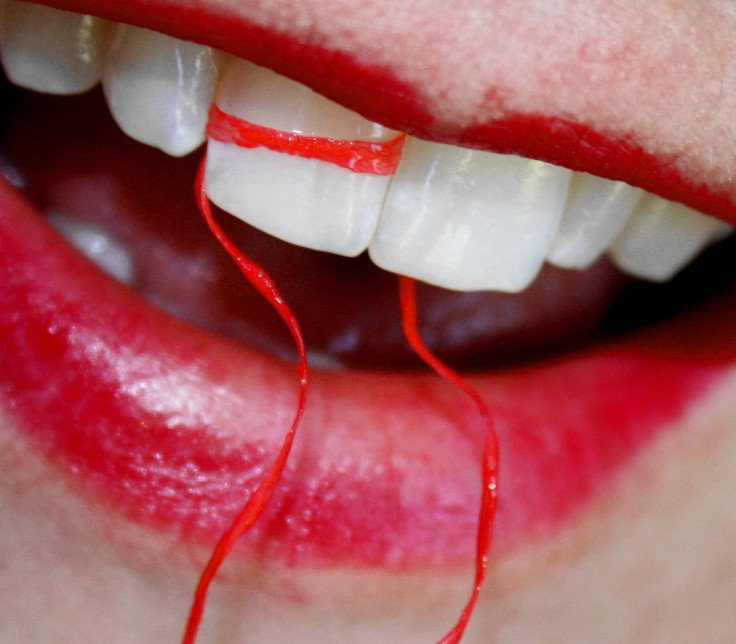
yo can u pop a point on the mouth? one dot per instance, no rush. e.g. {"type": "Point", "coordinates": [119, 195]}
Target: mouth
{"type": "Point", "coordinates": [167, 402]}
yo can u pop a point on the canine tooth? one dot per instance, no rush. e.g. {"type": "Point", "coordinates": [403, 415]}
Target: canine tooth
{"type": "Point", "coordinates": [595, 213]}
{"type": "Point", "coordinates": [159, 89]}
{"type": "Point", "coordinates": [469, 220]}
{"type": "Point", "coordinates": [309, 202]}
{"type": "Point", "coordinates": [107, 253]}
{"type": "Point", "coordinates": [53, 51]}
{"type": "Point", "coordinates": [661, 237]}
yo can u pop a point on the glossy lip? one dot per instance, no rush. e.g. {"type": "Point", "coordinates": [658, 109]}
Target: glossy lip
{"type": "Point", "coordinates": [173, 427]}
{"type": "Point", "coordinates": [510, 123]}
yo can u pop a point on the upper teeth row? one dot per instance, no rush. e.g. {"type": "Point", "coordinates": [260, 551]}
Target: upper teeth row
{"type": "Point", "coordinates": [458, 218]}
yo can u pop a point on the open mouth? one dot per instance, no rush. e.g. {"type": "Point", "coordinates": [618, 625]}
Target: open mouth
{"type": "Point", "coordinates": [165, 386]}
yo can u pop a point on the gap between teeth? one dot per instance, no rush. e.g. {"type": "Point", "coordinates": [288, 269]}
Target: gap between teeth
{"type": "Point", "coordinates": [461, 219]}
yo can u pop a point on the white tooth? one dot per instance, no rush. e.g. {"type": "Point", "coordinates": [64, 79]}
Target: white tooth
{"type": "Point", "coordinates": [308, 202]}
{"type": "Point", "coordinates": [53, 51]}
{"type": "Point", "coordinates": [469, 220]}
{"type": "Point", "coordinates": [108, 254]}
{"type": "Point", "coordinates": [661, 237]}
{"type": "Point", "coordinates": [595, 213]}
{"type": "Point", "coordinates": [159, 89]}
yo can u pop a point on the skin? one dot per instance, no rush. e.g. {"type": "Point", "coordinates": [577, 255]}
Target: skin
{"type": "Point", "coordinates": [650, 560]}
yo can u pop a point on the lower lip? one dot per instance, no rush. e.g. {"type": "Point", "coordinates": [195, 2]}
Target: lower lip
{"type": "Point", "coordinates": [173, 427]}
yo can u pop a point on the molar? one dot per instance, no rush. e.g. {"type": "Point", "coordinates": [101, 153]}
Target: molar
{"type": "Point", "coordinates": [107, 253]}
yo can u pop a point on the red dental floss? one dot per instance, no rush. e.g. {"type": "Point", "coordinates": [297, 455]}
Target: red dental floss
{"type": "Point", "coordinates": [358, 156]}
{"type": "Point", "coordinates": [256, 503]}
{"type": "Point", "coordinates": [407, 296]}
{"type": "Point", "coordinates": [366, 157]}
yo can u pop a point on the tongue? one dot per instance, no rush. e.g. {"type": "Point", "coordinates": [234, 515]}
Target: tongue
{"type": "Point", "coordinates": [77, 164]}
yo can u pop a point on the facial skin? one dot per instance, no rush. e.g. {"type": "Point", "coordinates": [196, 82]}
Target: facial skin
{"type": "Point", "coordinates": [650, 560]}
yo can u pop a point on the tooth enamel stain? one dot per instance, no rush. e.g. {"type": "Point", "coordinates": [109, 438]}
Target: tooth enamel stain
{"type": "Point", "coordinates": [465, 220]}
{"type": "Point", "coordinates": [107, 253]}
{"type": "Point", "coordinates": [159, 89]}
{"type": "Point", "coordinates": [308, 202]}
{"type": "Point", "coordinates": [52, 51]}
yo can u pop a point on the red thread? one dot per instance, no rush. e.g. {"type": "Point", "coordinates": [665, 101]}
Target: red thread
{"type": "Point", "coordinates": [254, 506]}
{"type": "Point", "coordinates": [359, 156]}
{"type": "Point", "coordinates": [366, 157]}
{"type": "Point", "coordinates": [407, 296]}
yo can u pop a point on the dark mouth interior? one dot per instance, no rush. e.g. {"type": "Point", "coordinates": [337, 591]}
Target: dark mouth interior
{"type": "Point", "coordinates": [75, 162]}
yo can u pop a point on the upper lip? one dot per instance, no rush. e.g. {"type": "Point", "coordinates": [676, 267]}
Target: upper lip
{"type": "Point", "coordinates": [618, 126]}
